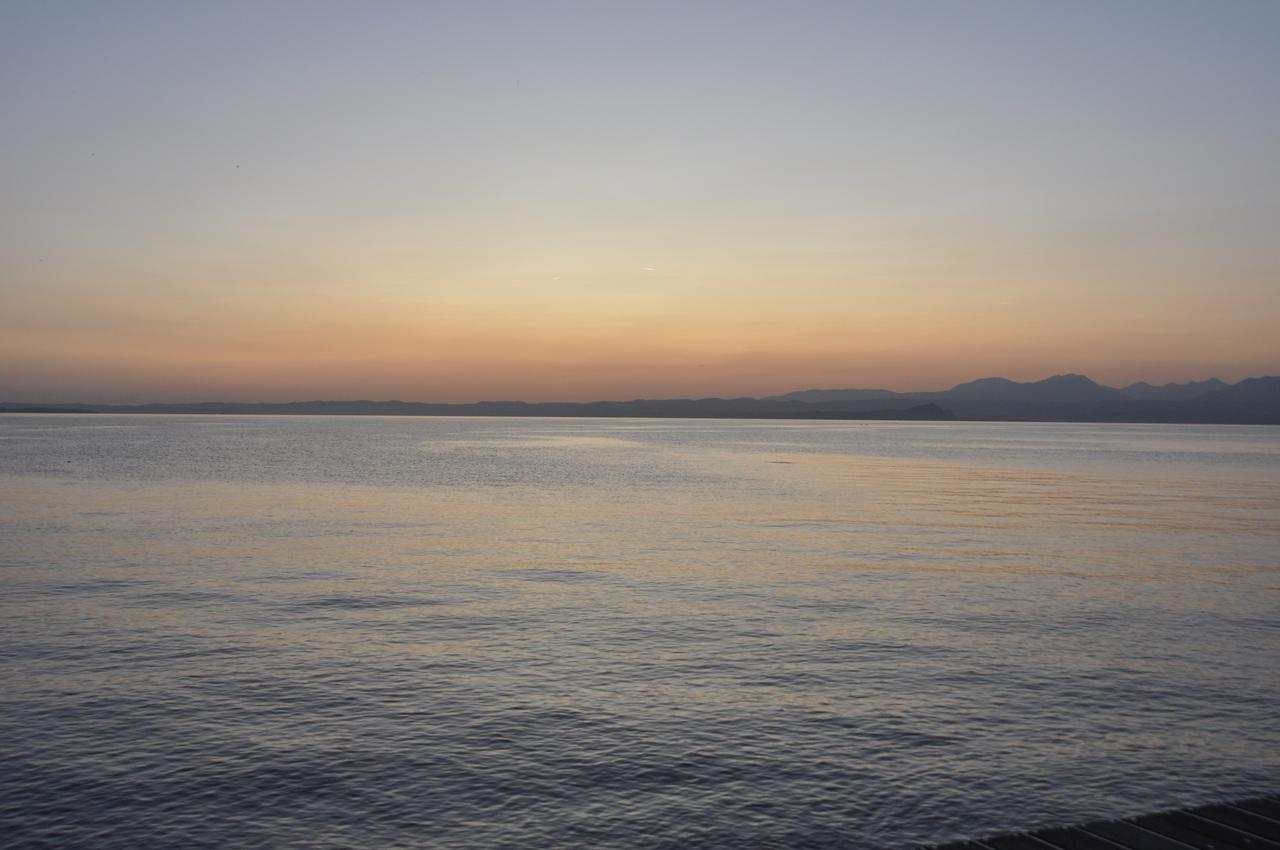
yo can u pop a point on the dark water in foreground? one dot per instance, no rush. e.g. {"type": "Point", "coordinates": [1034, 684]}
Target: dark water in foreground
{"type": "Point", "coordinates": [373, 633]}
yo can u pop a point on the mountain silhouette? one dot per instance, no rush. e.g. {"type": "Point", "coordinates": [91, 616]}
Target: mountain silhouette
{"type": "Point", "coordinates": [818, 396]}
{"type": "Point", "coordinates": [1252, 398]}
{"type": "Point", "coordinates": [1060, 398]}
{"type": "Point", "coordinates": [1059, 388]}
{"type": "Point", "coordinates": [1172, 392]}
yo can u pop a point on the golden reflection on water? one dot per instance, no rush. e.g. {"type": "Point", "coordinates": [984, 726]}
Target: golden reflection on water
{"type": "Point", "coordinates": [778, 514]}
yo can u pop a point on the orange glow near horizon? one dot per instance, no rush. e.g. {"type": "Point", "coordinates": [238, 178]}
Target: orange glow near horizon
{"type": "Point", "coordinates": [611, 204]}
{"type": "Point", "coordinates": [292, 347]}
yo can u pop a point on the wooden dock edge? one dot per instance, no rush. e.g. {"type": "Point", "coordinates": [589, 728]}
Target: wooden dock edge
{"type": "Point", "coordinates": [1252, 824]}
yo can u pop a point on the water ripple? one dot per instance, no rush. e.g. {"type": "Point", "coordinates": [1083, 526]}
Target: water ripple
{"type": "Point", "coordinates": [426, 633]}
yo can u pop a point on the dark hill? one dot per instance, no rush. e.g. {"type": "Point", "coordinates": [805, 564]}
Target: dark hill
{"type": "Point", "coordinates": [1142, 391]}
{"type": "Point", "coordinates": [822, 396]}
{"type": "Point", "coordinates": [1059, 388]}
{"type": "Point", "coordinates": [1251, 400]}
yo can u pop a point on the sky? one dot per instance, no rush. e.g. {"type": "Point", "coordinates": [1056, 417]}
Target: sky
{"type": "Point", "coordinates": [455, 201]}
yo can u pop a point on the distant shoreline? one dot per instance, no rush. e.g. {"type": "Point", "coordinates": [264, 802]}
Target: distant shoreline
{"type": "Point", "coordinates": [1061, 398]}
{"type": "Point", "coordinates": [901, 415]}
{"type": "Point", "coordinates": [925, 412]}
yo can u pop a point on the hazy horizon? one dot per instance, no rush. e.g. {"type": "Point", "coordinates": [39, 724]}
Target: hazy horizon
{"type": "Point", "coordinates": [284, 395]}
{"type": "Point", "coordinates": [413, 400]}
{"type": "Point", "coordinates": [577, 201]}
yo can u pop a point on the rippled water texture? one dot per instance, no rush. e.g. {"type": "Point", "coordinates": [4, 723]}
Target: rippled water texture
{"type": "Point", "coordinates": [373, 633]}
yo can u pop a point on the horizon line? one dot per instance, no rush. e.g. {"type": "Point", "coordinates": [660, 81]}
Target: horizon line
{"type": "Point", "coordinates": [481, 401]}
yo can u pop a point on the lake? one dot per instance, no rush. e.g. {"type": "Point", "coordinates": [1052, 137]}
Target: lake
{"type": "Point", "coordinates": [324, 632]}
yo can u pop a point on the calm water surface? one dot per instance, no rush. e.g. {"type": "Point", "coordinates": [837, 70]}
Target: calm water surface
{"type": "Point", "coordinates": [526, 633]}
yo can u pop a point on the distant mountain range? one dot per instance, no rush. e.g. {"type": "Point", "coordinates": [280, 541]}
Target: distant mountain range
{"type": "Point", "coordinates": [1061, 398]}
{"type": "Point", "coordinates": [1059, 388]}
{"type": "Point", "coordinates": [1078, 398]}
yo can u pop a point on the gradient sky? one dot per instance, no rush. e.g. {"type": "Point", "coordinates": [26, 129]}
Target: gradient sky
{"type": "Point", "coordinates": [577, 200]}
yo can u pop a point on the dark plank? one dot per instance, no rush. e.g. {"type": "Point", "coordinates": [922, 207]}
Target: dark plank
{"type": "Point", "coordinates": [1164, 824]}
{"type": "Point", "coordinates": [1261, 806]}
{"type": "Point", "coordinates": [1070, 838]}
{"type": "Point", "coordinates": [1240, 819]}
{"type": "Point", "coordinates": [1013, 842]}
{"type": "Point", "coordinates": [1245, 825]}
{"type": "Point", "coordinates": [1134, 837]}
{"type": "Point", "coordinates": [1213, 829]}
